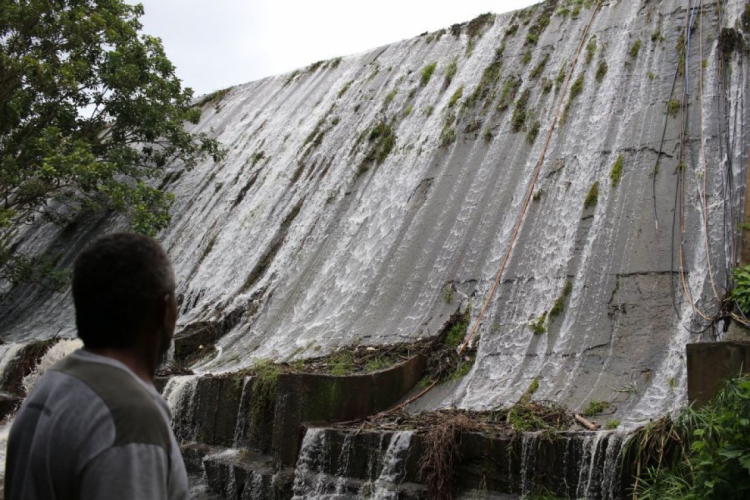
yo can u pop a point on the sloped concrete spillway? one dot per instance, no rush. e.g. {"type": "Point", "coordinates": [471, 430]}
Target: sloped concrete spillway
{"type": "Point", "coordinates": [363, 199]}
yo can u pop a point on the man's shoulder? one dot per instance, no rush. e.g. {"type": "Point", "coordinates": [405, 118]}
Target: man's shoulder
{"type": "Point", "coordinates": [135, 414]}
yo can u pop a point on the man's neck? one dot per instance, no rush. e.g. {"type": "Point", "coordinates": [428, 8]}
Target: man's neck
{"type": "Point", "coordinates": [133, 359]}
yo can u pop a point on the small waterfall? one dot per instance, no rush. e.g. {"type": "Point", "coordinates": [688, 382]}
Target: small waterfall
{"type": "Point", "coordinates": [4, 430]}
{"type": "Point", "coordinates": [312, 482]}
{"type": "Point", "coordinates": [309, 481]}
{"type": "Point", "coordinates": [600, 467]}
{"type": "Point", "coordinates": [386, 486]}
{"type": "Point", "coordinates": [179, 393]}
{"type": "Point", "coordinates": [55, 353]}
{"type": "Point", "coordinates": [528, 462]}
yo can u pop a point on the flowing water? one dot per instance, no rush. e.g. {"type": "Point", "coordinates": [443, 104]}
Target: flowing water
{"type": "Point", "coordinates": [386, 471]}
{"type": "Point", "coordinates": [312, 251]}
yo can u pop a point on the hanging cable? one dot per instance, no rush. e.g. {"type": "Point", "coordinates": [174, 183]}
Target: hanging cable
{"type": "Point", "coordinates": [530, 191]}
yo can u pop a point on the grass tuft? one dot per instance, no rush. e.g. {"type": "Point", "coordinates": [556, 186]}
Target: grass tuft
{"type": "Point", "coordinates": [426, 74]}
{"type": "Point", "coordinates": [592, 197]}
{"type": "Point", "coordinates": [616, 173]}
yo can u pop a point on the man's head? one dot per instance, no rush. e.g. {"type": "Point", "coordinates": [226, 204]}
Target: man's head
{"type": "Point", "coordinates": [124, 293]}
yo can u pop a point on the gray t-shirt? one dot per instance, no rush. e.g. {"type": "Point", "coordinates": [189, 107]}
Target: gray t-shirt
{"type": "Point", "coordinates": [91, 429]}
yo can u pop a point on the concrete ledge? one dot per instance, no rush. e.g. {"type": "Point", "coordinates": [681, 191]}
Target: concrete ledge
{"type": "Point", "coordinates": [242, 475]}
{"type": "Point", "coordinates": [710, 364]}
{"type": "Point", "coordinates": [303, 397]}
{"type": "Point", "coordinates": [506, 465]}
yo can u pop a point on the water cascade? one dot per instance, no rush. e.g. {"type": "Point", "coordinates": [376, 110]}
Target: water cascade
{"type": "Point", "coordinates": [593, 154]}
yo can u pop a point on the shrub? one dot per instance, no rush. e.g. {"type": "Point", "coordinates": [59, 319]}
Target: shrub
{"type": "Point", "coordinates": [427, 72]}
{"type": "Point", "coordinates": [730, 40]}
{"type": "Point", "coordinates": [741, 291]}
{"type": "Point", "coordinates": [704, 454]}
{"type": "Point", "coordinates": [616, 173]}
{"type": "Point", "coordinates": [592, 197]}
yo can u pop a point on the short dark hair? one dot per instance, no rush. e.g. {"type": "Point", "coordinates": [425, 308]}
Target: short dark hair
{"type": "Point", "coordinates": [118, 281]}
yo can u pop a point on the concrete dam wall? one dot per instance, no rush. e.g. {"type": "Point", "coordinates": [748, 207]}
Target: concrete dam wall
{"type": "Point", "coordinates": [572, 177]}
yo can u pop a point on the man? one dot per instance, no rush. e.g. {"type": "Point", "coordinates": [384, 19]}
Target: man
{"type": "Point", "coordinates": [94, 427]}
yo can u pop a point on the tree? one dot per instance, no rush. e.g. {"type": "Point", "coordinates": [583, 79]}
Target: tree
{"type": "Point", "coordinates": [90, 111]}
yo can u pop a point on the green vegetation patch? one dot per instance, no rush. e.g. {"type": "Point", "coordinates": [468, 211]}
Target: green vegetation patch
{"type": "Point", "coordinates": [612, 424]}
{"type": "Point", "coordinates": [457, 331]}
{"type": "Point", "coordinates": [520, 112]}
{"type": "Point", "coordinates": [540, 23]}
{"type": "Point", "coordinates": [450, 72]}
{"type": "Point", "coordinates": [346, 87]}
{"type": "Point", "coordinates": [673, 107]}
{"type": "Point", "coordinates": [539, 68]}
{"type": "Point", "coordinates": [592, 197]}
{"type": "Point", "coordinates": [509, 91]}
{"type": "Point", "coordinates": [457, 95]}
{"type": "Point", "coordinates": [213, 98]}
{"type": "Point", "coordinates": [615, 174]}
{"type": "Point", "coordinates": [490, 76]}
{"type": "Point", "coordinates": [595, 407]}
{"type": "Point", "coordinates": [426, 75]}
{"type": "Point", "coordinates": [590, 49]}
{"type": "Point", "coordinates": [390, 96]}
{"type": "Point", "coordinates": [635, 49]}
{"type": "Point", "coordinates": [265, 383]}
{"type": "Point", "coordinates": [559, 306]}
{"type": "Point", "coordinates": [741, 291]}
{"type": "Point", "coordinates": [533, 132]}
{"type": "Point", "coordinates": [730, 40]}
{"type": "Point", "coordinates": [702, 454]}
{"type": "Point", "coordinates": [526, 57]}
{"type": "Point", "coordinates": [601, 71]}
{"type": "Point", "coordinates": [381, 140]}
{"type": "Point", "coordinates": [539, 325]}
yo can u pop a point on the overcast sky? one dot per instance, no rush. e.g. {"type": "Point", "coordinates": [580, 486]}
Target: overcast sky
{"type": "Point", "coordinates": [219, 43]}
